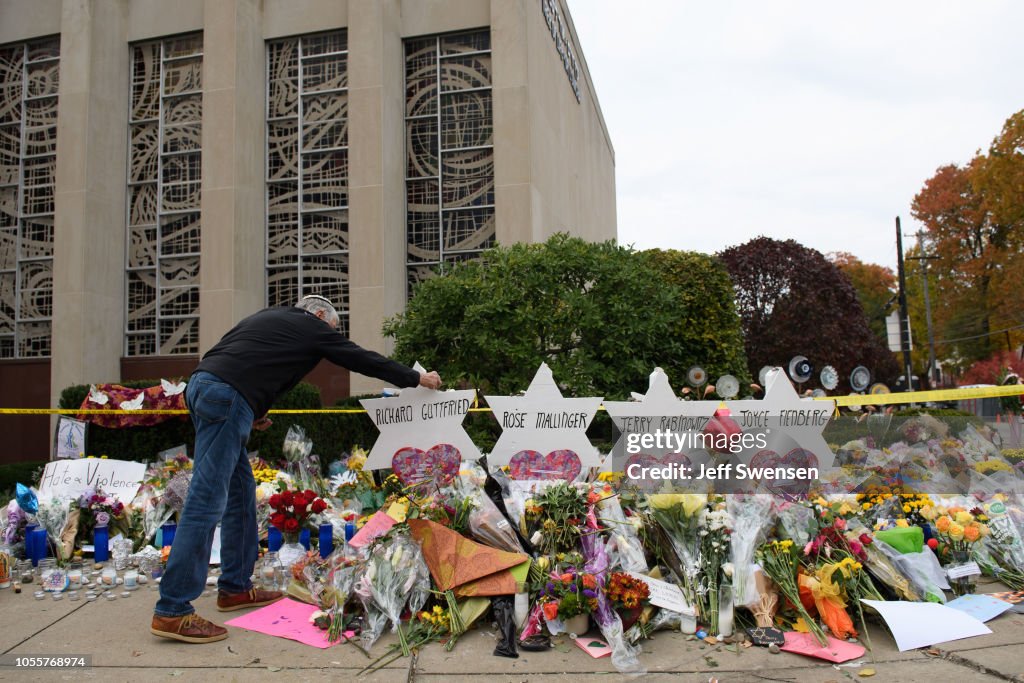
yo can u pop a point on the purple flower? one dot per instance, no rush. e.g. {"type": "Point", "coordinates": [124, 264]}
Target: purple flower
{"type": "Point", "coordinates": [102, 519]}
{"type": "Point", "coordinates": [572, 587]}
{"type": "Point", "coordinates": [550, 588]}
{"type": "Point", "coordinates": [587, 593]}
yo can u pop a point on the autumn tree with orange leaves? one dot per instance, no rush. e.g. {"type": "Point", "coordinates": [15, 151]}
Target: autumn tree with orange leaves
{"type": "Point", "coordinates": [973, 216]}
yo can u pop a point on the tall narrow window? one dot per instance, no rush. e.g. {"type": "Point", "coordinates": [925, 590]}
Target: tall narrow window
{"type": "Point", "coordinates": [449, 151]}
{"type": "Point", "coordinates": [28, 163]}
{"type": "Point", "coordinates": [307, 170]}
{"type": "Point", "coordinates": [165, 160]}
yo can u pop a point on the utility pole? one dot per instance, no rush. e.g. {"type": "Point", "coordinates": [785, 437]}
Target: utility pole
{"type": "Point", "coordinates": [904, 320]}
{"type": "Point", "coordinates": [933, 371]}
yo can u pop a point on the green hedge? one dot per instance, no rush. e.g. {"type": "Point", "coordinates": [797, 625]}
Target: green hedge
{"type": "Point", "coordinates": [18, 472]}
{"type": "Point", "coordinates": [887, 431]}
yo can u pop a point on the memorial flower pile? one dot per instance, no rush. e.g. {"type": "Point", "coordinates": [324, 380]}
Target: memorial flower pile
{"type": "Point", "coordinates": [531, 550]}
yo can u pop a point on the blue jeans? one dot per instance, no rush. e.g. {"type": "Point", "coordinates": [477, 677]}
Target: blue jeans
{"type": "Point", "coordinates": [222, 490]}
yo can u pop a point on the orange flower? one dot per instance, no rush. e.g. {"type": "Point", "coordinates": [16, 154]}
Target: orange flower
{"type": "Point", "coordinates": [972, 533]}
{"type": "Point", "coordinates": [943, 523]}
{"type": "Point", "coordinates": [589, 582]}
{"type": "Point", "coordinates": [565, 578]}
{"type": "Point", "coordinates": [550, 610]}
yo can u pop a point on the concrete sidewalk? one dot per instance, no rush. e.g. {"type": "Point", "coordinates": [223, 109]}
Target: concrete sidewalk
{"type": "Point", "coordinates": [117, 636]}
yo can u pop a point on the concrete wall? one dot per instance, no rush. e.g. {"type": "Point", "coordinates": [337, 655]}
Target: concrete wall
{"type": "Point", "coordinates": [572, 161]}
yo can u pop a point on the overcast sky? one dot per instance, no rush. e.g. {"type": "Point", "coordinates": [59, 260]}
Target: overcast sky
{"type": "Point", "coordinates": [816, 121]}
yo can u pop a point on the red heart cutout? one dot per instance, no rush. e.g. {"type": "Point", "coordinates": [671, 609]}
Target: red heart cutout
{"type": "Point", "coordinates": [561, 464]}
{"type": "Point", "coordinates": [798, 457]}
{"type": "Point", "coordinates": [437, 466]}
{"type": "Point", "coordinates": [649, 484]}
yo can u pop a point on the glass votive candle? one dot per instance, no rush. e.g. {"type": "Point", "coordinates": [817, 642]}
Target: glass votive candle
{"type": "Point", "coordinates": [58, 596]}
{"type": "Point", "coordinates": [90, 597]}
{"type": "Point", "coordinates": [75, 575]}
{"type": "Point", "coordinates": [26, 572]}
{"type": "Point", "coordinates": [108, 577]}
{"type": "Point", "coordinates": [131, 579]}
{"type": "Point", "coordinates": [126, 594]}
{"type": "Point", "coordinates": [73, 596]}
{"type": "Point", "coordinates": [111, 597]}
{"type": "Point", "coordinates": [39, 595]}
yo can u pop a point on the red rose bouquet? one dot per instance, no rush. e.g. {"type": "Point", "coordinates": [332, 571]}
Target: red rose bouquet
{"type": "Point", "coordinates": [291, 509]}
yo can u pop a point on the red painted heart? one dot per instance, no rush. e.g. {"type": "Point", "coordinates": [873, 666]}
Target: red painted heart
{"type": "Point", "coordinates": [798, 457]}
{"type": "Point", "coordinates": [562, 464]}
{"type": "Point", "coordinates": [437, 466]}
{"type": "Point", "coordinates": [645, 482]}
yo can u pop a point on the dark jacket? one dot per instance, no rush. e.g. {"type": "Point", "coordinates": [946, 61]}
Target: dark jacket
{"type": "Point", "coordinates": [269, 352]}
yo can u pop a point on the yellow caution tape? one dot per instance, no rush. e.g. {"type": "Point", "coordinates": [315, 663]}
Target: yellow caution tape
{"type": "Point", "coordinates": [934, 396]}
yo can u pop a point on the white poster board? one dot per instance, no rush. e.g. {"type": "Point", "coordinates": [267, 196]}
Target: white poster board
{"type": "Point", "coordinates": [67, 479]}
{"type": "Point", "coordinates": [69, 438]}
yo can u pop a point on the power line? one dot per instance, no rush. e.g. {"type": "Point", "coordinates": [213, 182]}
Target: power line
{"type": "Point", "coordinates": [979, 336]}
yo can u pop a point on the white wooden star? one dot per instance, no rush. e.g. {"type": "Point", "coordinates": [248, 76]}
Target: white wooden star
{"type": "Point", "coordinates": [419, 418]}
{"type": "Point", "coordinates": [543, 421]}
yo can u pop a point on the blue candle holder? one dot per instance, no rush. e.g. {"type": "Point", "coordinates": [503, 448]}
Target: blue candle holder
{"type": "Point", "coordinates": [39, 546]}
{"type": "Point", "coordinates": [350, 531]}
{"type": "Point", "coordinates": [274, 539]}
{"type": "Point", "coordinates": [100, 542]}
{"type": "Point", "coordinates": [326, 539]}
{"type": "Point", "coordinates": [169, 530]}
{"type": "Point", "coordinates": [304, 539]}
{"type": "Point", "coordinates": [30, 541]}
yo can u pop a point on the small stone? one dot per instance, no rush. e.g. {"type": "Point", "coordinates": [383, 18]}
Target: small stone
{"type": "Point", "coordinates": [774, 649]}
{"type": "Point", "coordinates": [864, 673]}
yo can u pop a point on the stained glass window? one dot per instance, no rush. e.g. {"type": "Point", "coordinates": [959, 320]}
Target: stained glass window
{"type": "Point", "coordinates": [307, 170]}
{"type": "Point", "coordinates": [164, 187]}
{"type": "Point", "coordinates": [29, 74]}
{"type": "Point", "coordinates": [449, 151]}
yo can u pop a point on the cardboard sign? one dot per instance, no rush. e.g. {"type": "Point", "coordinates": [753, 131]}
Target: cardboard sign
{"type": "Point", "coordinates": [836, 651]}
{"type": "Point", "coordinates": [285, 619]}
{"type": "Point", "coordinates": [981, 607]}
{"type": "Point", "coordinates": [69, 438]}
{"type": "Point", "coordinates": [543, 421]}
{"type": "Point", "coordinates": [68, 479]}
{"type": "Point", "coordinates": [420, 419]}
{"type": "Point", "coordinates": [595, 647]}
{"type": "Point", "coordinates": [664, 594]}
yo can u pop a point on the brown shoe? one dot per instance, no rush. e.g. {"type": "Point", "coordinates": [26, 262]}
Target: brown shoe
{"type": "Point", "coordinates": [190, 628]}
{"type": "Point", "coordinates": [254, 597]}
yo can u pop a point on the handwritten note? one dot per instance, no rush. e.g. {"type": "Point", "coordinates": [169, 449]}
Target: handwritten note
{"type": "Point", "coordinates": [664, 594]}
{"type": "Point", "coordinates": [67, 479]}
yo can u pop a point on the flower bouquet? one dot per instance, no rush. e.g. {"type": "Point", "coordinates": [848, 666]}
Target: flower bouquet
{"type": "Point", "coordinates": [291, 511]}
{"type": "Point", "coordinates": [959, 529]}
{"type": "Point", "coordinates": [567, 596]}
{"type": "Point", "coordinates": [552, 518]}
{"type": "Point", "coordinates": [678, 515]}
{"type": "Point", "coordinates": [628, 596]}
{"type": "Point", "coordinates": [715, 531]}
{"type": "Point", "coordinates": [779, 563]}
{"type": "Point", "coordinates": [395, 575]}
